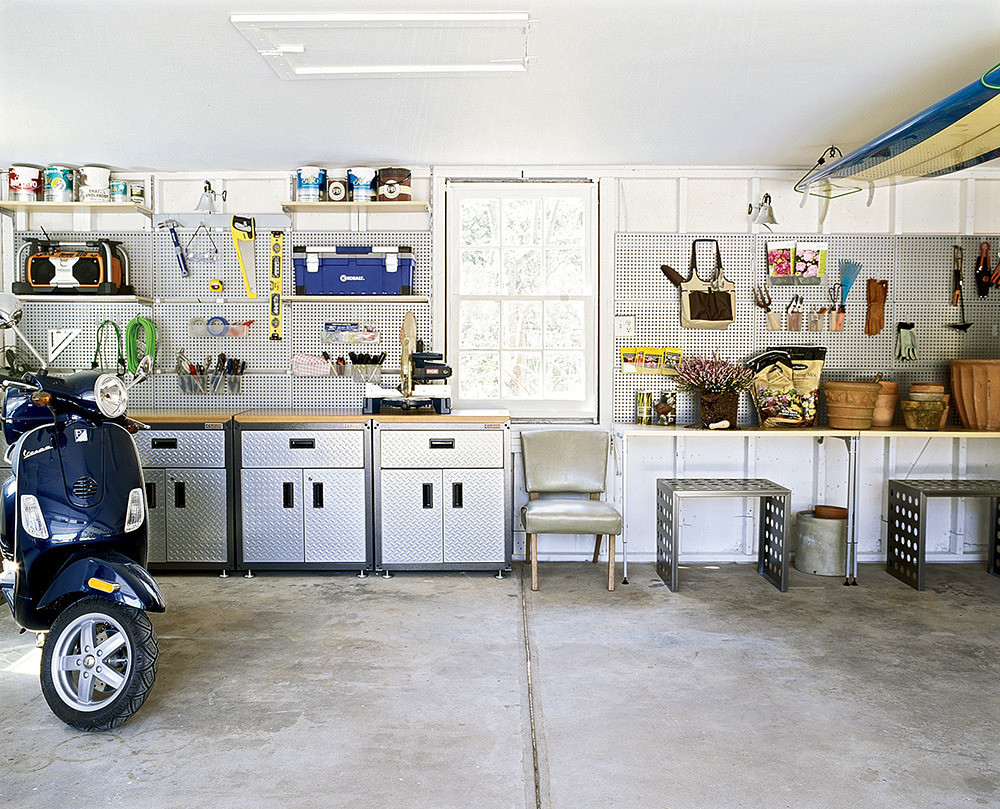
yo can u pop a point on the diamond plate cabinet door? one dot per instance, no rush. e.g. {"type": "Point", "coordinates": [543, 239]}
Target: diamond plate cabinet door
{"type": "Point", "coordinates": [196, 515]}
{"type": "Point", "coordinates": [411, 517]}
{"type": "Point", "coordinates": [473, 515]}
{"type": "Point", "coordinates": [272, 515]}
{"type": "Point", "coordinates": [335, 516]}
{"type": "Point", "coordinates": [155, 480]}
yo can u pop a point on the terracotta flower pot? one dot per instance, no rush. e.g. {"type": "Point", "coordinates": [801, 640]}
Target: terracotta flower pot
{"type": "Point", "coordinates": [850, 405]}
{"type": "Point", "coordinates": [975, 389]}
{"type": "Point", "coordinates": [885, 405]}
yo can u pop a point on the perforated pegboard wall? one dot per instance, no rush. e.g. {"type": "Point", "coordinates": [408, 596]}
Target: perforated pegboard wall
{"type": "Point", "coordinates": [918, 269]}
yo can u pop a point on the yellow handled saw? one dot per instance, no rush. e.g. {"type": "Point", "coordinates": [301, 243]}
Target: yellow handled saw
{"type": "Point", "coordinates": [244, 232]}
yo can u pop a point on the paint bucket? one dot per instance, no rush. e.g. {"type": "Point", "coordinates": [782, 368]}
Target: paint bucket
{"type": "Point", "coordinates": [119, 191]}
{"type": "Point", "coordinates": [137, 191]}
{"type": "Point", "coordinates": [310, 183]}
{"type": "Point", "coordinates": [362, 183]}
{"type": "Point", "coordinates": [94, 182]}
{"type": "Point", "coordinates": [25, 183]}
{"type": "Point", "coordinates": [58, 184]}
{"type": "Point", "coordinates": [393, 185]}
{"type": "Point", "coordinates": [336, 189]}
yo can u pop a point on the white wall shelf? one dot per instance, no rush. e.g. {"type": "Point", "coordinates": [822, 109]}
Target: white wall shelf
{"type": "Point", "coordinates": [409, 206]}
{"type": "Point", "coordinates": [355, 298]}
{"type": "Point", "coordinates": [10, 207]}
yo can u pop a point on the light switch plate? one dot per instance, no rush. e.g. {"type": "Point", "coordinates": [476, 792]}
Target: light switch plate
{"type": "Point", "coordinates": [624, 325]}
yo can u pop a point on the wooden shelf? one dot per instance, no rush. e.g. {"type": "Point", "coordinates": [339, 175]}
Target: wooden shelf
{"type": "Point", "coordinates": [10, 207]}
{"type": "Point", "coordinates": [355, 298]}
{"type": "Point", "coordinates": [411, 206]}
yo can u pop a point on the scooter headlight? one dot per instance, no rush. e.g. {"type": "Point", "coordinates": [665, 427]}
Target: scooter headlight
{"type": "Point", "coordinates": [110, 395]}
{"type": "Point", "coordinates": [32, 519]}
{"type": "Point", "coordinates": [136, 511]}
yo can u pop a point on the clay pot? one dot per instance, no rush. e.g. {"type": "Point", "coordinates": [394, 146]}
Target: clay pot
{"type": "Point", "coordinates": [975, 385]}
{"type": "Point", "coordinates": [922, 415]}
{"type": "Point", "coordinates": [830, 512]}
{"type": "Point", "coordinates": [926, 387]}
{"type": "Point", "coordinates": [850, 405]}
{"type": "Point", "coordinates": [947, 410]}
{"type": "Point", "coordinates": [885, 405]}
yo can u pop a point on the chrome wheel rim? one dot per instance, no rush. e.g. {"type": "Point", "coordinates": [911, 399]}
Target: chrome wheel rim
{"type": "Point", "coordinates": [91, 661]}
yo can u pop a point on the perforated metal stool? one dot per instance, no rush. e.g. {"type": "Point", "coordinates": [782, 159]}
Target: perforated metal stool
{"type": "Point", "coordinates": [772, 543]}
{"type": "Point", "coordinates": [906, 517]}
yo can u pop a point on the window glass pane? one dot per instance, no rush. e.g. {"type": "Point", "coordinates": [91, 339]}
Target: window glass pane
{"type": "Point", "coordinates": [522, 324]}
{"type": "Point", "coordinates": [565, 373]}
{"type": "Point", "coordinates": [522, 272]}
{"type": "Point", "coordinates": [480, 221]}
{"type": "Point", "coordinates": [480, 374]}
{"type": "Point", "coordinates": [564, 324]}
{"type": "Point", "coordinates": [522, 221]}
{"type": "Point", "coordinates": [564, 273]}
{"type": "Point", "coordinates": [479, 324]}
{"type": "Point", "coordinates": [522, 374]}
{"type": "Point", "coordinates": [479, 272]}
{"type": "Point", "coordinates": [564, 220]}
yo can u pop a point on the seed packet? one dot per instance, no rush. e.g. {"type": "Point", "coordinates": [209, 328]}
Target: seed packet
{"type": "Point", "coordinates": [809, 265]}
{"type": "Point", "coordinates": [781, 262]}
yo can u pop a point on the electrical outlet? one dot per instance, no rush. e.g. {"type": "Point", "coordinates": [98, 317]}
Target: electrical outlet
{"type": "Point", "coordinates": [624, 325]}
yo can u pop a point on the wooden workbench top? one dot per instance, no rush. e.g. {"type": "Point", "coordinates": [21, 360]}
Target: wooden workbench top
{"type": "Point", "coordinates": [179, 416]}
{"type": "Point", "coordinates": [328, 415]}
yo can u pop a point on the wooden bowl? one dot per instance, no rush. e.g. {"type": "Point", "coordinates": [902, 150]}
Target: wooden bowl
{"type": "Point", "coordinates": [830, 512]}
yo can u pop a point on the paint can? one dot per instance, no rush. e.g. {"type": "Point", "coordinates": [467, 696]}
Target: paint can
{"type": "Point", "coordinates": [336, 189]}
{"type": "Point", "coordinates": [119, 191]}
{"type": "Point", "coordinates": [58, 184]}
{"type": "Point", "coordinates": [644, 407]}
{"type": "Point", "coordinates": [393, 185]}
{"type": "Point", "coordinates": [137, 192]}
{"type": "Point", "coordinates": [94, 182]}
{"type": "Point", "coordinates": [25, 183]}
{"type": "Point", "coordinates": [362, 183]}
{"type": "Point", "coordinates": [310, 183]}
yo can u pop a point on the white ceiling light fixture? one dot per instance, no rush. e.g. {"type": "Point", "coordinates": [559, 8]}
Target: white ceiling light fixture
{"type": "Point", "coordinates": [370, 45]}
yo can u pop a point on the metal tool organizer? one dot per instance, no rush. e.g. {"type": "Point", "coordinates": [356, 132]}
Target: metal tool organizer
{"type": "Point", "coordinates": [171, 301]}
{"type": "Point", "coordinates": [918, 269]}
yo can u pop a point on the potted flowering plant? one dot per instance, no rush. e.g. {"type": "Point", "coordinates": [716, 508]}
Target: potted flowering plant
{"type": "Point", "coordinates": [718, 383]}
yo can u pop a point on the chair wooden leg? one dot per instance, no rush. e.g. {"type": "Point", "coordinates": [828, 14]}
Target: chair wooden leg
{"type": "Point", "coordinates": [597, 547]}
{"type": "Point", "coordinates": [611, 561]}
{"type": "Point", "coordinates": [533, 552]}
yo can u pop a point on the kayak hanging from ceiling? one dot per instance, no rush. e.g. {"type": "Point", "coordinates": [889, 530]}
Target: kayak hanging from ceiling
{"type": "Point", "coordinates": [958, 132]}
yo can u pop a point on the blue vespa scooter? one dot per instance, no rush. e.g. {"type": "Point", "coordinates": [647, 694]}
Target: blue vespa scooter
{"type": "Point", "coordinates": [74, 537]}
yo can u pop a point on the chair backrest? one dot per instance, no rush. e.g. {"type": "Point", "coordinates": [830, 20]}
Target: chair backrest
{"type": "Point", "coordinates": [565, 460]}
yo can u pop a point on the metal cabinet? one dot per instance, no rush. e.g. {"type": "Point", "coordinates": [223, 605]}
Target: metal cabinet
{"type": "Point", "coordinates": [188, 495]}
{"type": "Point", "coordinates": [442, 496]}
{"type": "Point", "coordinates": [305, 496]}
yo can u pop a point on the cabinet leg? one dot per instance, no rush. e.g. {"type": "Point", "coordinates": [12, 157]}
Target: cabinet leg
{"type": "Point", "coordinates": [223, 575]}
{"type": "Point", "coordinates": [500, 573]}
{"type": "Point", "coordinates": [386, 574]}
{"type": "Point", "coordinates": [249, 575]}
{"type": "Point", "coordinates": [362, 574]}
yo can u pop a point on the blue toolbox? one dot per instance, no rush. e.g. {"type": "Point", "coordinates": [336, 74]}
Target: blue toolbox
{"type": "Point", "coordinates": [353, 270]}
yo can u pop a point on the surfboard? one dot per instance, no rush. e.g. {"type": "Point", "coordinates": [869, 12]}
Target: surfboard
{"type": "Point", "coordinates": [958, 132]}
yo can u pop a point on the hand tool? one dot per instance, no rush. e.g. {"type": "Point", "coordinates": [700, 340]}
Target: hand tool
{"type": "Point", "coordinates": [762, 298]}
{"type": "Point", "coordinates": [793, 313]}
{"type": "Point", "coordinates": [183, 378]}
{"type": "Point", "coordinates": [983, 270]}
{"type": "Point", "coordinates": [995, 278]}
{"type": "Point", "coordinates": [219, 374]}
{"type": "Point", "coordinates": [171, 226]}
{"type": "Point", "coordinates": [838, 313]}
{"type": "Point", "coordinates": [244, 232]}
{"type": "Point", "coordinates": [957, 296]}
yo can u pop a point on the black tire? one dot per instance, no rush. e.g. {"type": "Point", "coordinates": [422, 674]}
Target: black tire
{"type": "Point", "coordinates": [98, 688]}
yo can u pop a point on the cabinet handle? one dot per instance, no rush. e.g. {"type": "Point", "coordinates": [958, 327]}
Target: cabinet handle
{"type": "Point", "coordinates": [180, 494]}
{"type": "Point", "coordinates": [288, 495]}
{"type": "Point", "coordinates": [456, 495]}
{"type": "Point", "coordinates": [302, 443]}
{"type": "Point", "coordinates": [164, 443]}
{"type": "Point", "coordinates": [317, 495]}
{"type": "Point", "coordinates": [428, 495]}
{"type": "Point", "coordinates": [151, 494]}
{"type": "Point", "coordinates": [441, 443]}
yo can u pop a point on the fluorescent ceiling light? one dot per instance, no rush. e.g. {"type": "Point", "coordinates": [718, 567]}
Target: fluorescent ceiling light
{"type": "Point", "coordinates": [343, 45]}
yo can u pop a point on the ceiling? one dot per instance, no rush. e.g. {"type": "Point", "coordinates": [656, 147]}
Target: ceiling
{"type": "Point", "coordinates": [174, 86]}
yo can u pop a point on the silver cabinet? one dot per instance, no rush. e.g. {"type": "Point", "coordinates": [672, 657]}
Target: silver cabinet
{"type": "Point", "coordinates": [442, 495]}
{"type": "Point", "coordinates": [187, 494]}
{"type": "Point", "coordinates": [305, 496]}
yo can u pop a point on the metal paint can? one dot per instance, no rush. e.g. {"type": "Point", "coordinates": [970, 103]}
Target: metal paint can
{"type": "Point", "coordinates": [644, 407]}
{"type": "Point", "coordinates": [310, 183]}
{"type": "Point", "coordinates": [393, 185]}
{"type": "Point", "coordinates": [137, 191]}
{"type": "Point", "coordinates": [94, 184]}
{"type": "Point", "coordinates": [119, 191]}
{"type": "Point", "coordinates": [362, 182]}
{"type": "Point", "coordinates": [336, 189]}
{"type": "Point", "coordinates": [25, 183]}
{"type": "Point", "coordinates": [58, 184]}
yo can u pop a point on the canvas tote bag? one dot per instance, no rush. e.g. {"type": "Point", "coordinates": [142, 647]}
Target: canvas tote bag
{"type": "Point", "coordinates": [707, 304]}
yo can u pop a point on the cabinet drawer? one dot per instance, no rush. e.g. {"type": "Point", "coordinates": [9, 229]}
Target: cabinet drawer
{"type": "Point", "coordinates": [182, 448]}
{"type": "Point", "coordinates": [430, 449]}
{"type": "Point", "coordinates": [299, 449]}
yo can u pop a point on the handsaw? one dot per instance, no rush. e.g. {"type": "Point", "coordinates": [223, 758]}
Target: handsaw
{"type": "Point", "coordinates": [244, 232]}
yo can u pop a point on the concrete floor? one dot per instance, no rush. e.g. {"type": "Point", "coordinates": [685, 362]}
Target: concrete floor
{"type": "Point", "coordinates": [306, 690]}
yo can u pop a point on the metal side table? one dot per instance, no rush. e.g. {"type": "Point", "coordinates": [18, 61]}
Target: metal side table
{"type": "Point", "coordinates": [906, 515]}
{"type": "Point", "coordinates": [772, 543]}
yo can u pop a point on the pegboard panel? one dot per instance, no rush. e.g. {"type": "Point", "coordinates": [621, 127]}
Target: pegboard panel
{"type": "Point", "coordinates": [257, 390]}
{"type": "Point", "coordinates": [918, 269]}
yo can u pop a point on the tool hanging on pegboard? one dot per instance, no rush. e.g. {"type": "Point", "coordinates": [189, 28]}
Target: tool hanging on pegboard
{"type": "Point", "coordinates": [244, 232]}
{"type": "Point", "coordinates": [277, 256]}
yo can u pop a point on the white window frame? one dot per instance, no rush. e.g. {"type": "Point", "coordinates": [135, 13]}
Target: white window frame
{"type": "Point", "coordinates": [455, 192]}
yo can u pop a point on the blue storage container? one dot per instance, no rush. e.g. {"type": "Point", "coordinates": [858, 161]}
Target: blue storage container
{"type": "Point", "coordinates": [352, 274]}
{"type": "Point", "coordinates": [353, 270]}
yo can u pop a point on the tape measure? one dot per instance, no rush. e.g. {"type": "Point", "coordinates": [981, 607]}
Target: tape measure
{"type": "Point", "coordinates": [215, 285]}
{"type": "Point", "coordinates": [277, 255]}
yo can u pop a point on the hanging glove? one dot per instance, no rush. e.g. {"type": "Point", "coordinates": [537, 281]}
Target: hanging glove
{"type": "Point", "coordinates": [875, 318]}
{"type": "Point", "coordinates": [906, 342]}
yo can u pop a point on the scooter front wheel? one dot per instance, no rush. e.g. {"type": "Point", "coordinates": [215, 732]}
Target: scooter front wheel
{"type": "Point", "coordinates": [98, 663]}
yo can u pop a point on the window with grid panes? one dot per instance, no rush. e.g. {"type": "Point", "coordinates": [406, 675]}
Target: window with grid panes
{"type": "Point", "coordinates": [522, 297]}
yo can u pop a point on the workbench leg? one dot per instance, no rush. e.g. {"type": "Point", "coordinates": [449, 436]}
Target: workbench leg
{"type": "Point", "coordinates": [611, 561]}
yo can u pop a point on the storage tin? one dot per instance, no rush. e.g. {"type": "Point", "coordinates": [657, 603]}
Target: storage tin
{"type": "Point", "coordinates": [58, 184]}
{"type": "Point", "coordinates": [393, 185]}
{"type": "Point", "coordinates": [25, 183]}
{"type": "Point", "coordinates": [362, 183]}
{"type": "Point", "coordinates": [310, 183]}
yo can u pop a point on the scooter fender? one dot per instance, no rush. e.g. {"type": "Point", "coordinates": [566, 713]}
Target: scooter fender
{"type": "Point", "coordinates": [115, 577]}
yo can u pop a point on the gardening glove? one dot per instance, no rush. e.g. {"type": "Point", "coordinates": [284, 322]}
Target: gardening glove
{"type": "Point", "coordinates": [875, 318]}
{"type": "Point", "coordinates": [906, 342]}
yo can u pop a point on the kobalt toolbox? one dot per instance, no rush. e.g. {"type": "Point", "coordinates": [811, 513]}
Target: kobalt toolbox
{"type": "Point", "coordinates": [353, 270]}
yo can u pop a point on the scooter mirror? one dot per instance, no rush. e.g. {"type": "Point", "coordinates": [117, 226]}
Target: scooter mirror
{"type": "Point", "coordinates": [10, 310]}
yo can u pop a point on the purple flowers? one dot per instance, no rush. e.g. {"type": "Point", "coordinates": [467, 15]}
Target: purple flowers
{"type": "Point", "coordinates": [713, 375]}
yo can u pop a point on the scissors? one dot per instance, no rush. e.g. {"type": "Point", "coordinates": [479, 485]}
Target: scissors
{"type": "Point", "coordinates": [836, 293]}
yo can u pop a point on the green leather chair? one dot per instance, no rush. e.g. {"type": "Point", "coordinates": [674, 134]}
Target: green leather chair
{"type": "Point", "coordinates": [558, 463]}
